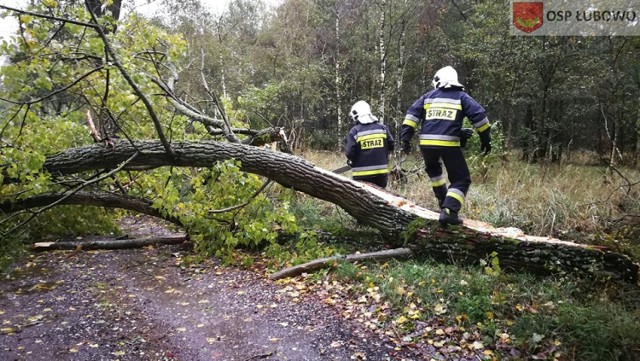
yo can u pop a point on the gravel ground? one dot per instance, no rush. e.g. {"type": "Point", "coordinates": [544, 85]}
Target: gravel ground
{"type": "Point", "coordinates": [143, 305]}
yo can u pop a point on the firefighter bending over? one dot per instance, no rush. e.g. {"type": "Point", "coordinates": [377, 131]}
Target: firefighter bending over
{"type": "Point", "coordinates": [368, 145]}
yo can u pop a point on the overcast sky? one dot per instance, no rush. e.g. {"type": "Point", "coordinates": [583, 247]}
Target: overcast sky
{"type": "Point", "coordinates": [9, 25]}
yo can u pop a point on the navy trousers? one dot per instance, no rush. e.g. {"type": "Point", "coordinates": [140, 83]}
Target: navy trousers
{"type": "Point", "coordinates": [453, 196]}
{"type": "Point", "coordinates": [380, 180]}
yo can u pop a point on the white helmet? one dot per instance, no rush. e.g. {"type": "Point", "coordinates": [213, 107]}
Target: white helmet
{"type": "Point", "coordinates": [361, 112]}
{"type": "Point", "coordinates": [446, 77]}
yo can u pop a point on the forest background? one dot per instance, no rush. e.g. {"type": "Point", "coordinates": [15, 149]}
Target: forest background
{"type": "Point", "coordinates": [566, 115]}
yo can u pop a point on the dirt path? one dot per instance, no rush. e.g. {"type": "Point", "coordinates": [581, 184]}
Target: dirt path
{"type": "Point", "coordinates": [142, 305]}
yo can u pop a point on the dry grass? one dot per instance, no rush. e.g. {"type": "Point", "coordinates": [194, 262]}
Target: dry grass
{"type": "Point", "coordinates": [541, 199]}
{"type": "Point", "coordinates": [552, 199]}
{"type": "Point", "coordinates": [325, 159]}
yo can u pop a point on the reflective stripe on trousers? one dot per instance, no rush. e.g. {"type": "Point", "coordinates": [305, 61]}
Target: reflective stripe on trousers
{"type": "Point", "coordinates": [457, 171]}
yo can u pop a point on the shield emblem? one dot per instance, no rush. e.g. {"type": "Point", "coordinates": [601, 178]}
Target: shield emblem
{"type": "Point", "coordinates": [527, 16]}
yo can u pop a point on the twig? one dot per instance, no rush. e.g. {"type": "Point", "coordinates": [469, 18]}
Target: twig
{"type": "Point", "coordinates": [626, 216]}
{"type": "Point", "coordinates": [232, 208]}
{"type": "Point", "coordinates": [11, 119]}
{"type": "Point", "coordinates": [92, 127]}
{"type": "Point", "coordinates": [460, 10]}
{"type": "Point", "coordinates": [629, 184]}
{"type": "Point", "coordinates": [65, 20]}
{"type": "Point", "coordinates": [33, 101]}
{"type": "Point", "coordinates": [264, 355]}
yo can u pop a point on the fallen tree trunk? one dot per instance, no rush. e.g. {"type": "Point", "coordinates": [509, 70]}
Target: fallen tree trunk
{"type": "Point", "coordinates": [330, 261]}
{"type": "Point", "coordinates": [95, 198]}
{"type": "Point", "coordinates": [373, 206]}
{"type": "Point", "coordinates": [517, 251]}
{"type": "Point", "coordinates": [108, 243]}
{"type": "Point", "coordinates": [356, 198]}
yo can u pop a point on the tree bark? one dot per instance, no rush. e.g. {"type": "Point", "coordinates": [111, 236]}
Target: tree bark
{"type": "Point", "coordinates": [539, 255]}
{"type": "Point", "coordinates": [389, 213]}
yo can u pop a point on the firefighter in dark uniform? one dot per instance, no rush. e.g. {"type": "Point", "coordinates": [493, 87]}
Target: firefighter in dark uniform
{"type": "Point", "coordinates": [367, 146]}
{"type": "Point", "coordinates": [439, 115]}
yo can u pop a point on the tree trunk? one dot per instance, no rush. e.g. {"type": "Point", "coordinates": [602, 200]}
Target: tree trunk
{"type": "Point", "coordinates": [288, 170]}
{"type": "Point", "coordinates": [337, 78]}
{"type": "Point", "coordinates": [383, 60]}
{"type": "Point", "coordinates": [399, 118]}
{"type": "Point", "coordinates": [389, 213]}
{"type": "Point", "coordinates": [540, 255]}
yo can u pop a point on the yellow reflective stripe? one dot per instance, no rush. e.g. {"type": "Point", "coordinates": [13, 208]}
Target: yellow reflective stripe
{"type": "Point", "coordinates": [441, 143]}
{"type": "Point", "coordinates": [438, 183]}
{"type": "Point", "coordinates": [443, 105]}
{"type": "Point", "coordinates": [410, 123]}
{"type": "Point", "coordinates": [370, 172]}
{"type": "Point", "coordinates": [483, 128]}
{"type": "Point", "coordinates": [456, 196]}
{"type": "Point", "coordinates": [372, 136]}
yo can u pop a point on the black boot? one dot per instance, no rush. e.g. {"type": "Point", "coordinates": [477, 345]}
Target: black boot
{"type": "Point", "coordinates": [448, 216]}
{"type": "Point", "coordinates": [441, 194]}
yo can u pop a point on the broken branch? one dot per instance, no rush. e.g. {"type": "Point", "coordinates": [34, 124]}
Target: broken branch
{"type": "Point", "coordinates": [330, 261]}
{"type": "Point", "coordinates": [108, 243]}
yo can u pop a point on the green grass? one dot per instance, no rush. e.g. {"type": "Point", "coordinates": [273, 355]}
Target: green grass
{"type": "Point", "coordinates": [571, 317]}
{"type": "Point", "coordinates": [591, 331]}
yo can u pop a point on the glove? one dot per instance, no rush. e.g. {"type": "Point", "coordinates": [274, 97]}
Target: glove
{"type": "Point", "coordinates": [485, 141]}
{"type": "Point", "coordinates": [406, 147]}
{"type": "Point", "coordinates": [465, 134]}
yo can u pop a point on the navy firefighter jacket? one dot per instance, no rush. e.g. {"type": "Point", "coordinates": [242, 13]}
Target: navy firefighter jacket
{"type": "Point", "coordinates": [367, 147]}
{"type": "Point", "coordinates": [440, 113]}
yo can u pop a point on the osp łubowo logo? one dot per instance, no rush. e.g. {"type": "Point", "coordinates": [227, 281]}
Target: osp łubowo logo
{"type": "Point", "coordinates": [528, 16]}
